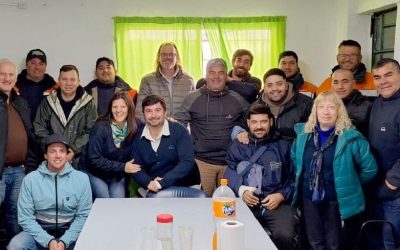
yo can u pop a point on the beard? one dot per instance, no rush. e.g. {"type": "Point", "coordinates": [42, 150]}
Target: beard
{"type": "Point", "coordinates": [240, 72]}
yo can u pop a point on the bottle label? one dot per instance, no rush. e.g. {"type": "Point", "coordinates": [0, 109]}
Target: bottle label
{"type": "Point", "coordinates": [224, 209]}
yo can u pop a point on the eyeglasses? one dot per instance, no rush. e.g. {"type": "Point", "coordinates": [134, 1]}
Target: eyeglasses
{"type": "Point", "coordinates": [351, 56]}
{"type": "Point", "coordinates": [164, 55]}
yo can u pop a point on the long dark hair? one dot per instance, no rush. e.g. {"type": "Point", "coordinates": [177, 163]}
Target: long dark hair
{"type": "Point", "coordinates": [131, 120]}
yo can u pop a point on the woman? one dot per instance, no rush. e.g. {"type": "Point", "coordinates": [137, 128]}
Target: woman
{"type": "Point", "coordinates": [332, 160]}
{"type": "Point", "coordinates": [109, 148]}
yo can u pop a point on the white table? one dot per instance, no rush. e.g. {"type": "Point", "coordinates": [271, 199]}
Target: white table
{"type": "Point", "coordinates": [116, 224]}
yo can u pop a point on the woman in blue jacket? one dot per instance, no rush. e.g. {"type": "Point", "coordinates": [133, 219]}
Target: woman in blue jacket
{"type": "Point", "coordinates": [109, 148]}
{"type": "Point", "coordinates": [332, 160]}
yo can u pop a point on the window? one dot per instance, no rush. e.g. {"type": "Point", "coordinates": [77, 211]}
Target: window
{"type": "Point", "coordinates": [198, 39]}
{"type": "Point", "coordinates": [383, 34]}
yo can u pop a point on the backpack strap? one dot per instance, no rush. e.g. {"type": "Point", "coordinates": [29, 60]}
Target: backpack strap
{"type": "Point", "coordinates": [253, 159]}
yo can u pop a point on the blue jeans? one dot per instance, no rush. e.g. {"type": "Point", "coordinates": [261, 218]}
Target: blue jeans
{"type": "Point", "coordinates": [24, 241]}
{"type": "Point", "coordinates": [12, 179]}
{"type": "Point", "coordinates": [391, 212]}
{"type": "Point", "coordinates": [111, 188]}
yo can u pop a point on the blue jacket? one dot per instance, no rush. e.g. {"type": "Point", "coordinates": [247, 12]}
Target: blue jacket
{"type": "Point", "coordinates": [353, 165]}
{"type": "Point", "coordinates": [103, 159]}
{"type": "Point", "coordinates": [173, 161]}
{"type": "Point", "coordinates": [277, 174]}
{"type": "Point", "coordinates": [384, 136]}
{"type": "Point", "coordinates": [37, 204]}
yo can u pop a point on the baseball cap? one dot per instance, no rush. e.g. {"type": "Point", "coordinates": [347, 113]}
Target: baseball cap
{"type": "Point", "coordinates": [36, 53]}
{"type": "Point", "coordinates": [56, 138]}
{"type": "Point", "coordinates": [101, 59]}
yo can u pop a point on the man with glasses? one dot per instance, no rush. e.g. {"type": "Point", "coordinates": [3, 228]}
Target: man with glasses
{"type": "Point", "coordinates": [349, 58]}
{"type": "Point", "coordinates": [168, 81]}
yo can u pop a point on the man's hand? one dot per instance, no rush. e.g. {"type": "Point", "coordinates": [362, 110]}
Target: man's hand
{"type": "Point", "coordinates": [390, 186]}
{"type": "Point", "coordinates": [153, 186]}
{"type": "Point", "coordinates": [272, 201]}
{"type": "Point", "coordinates": [131, 168]}
{"type": "Point", "coordinates": [250, 199]}
{"type": "Point", "coordinates": [70, 155]}
{"type": "Point", "coordinates": [243, 137]}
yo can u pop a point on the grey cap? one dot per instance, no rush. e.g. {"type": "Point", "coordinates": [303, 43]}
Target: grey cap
{"type": "Point", "coordinates": [56, 138]}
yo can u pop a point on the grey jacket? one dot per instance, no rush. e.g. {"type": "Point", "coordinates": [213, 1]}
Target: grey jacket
{"type": "Point", "coordinates": [155, 84]}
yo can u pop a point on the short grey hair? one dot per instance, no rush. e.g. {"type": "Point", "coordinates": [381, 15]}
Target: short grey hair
{"type": "Point", "coordinates": [8, 61]}
{"type": "Point", "coordinates": [217, 62]}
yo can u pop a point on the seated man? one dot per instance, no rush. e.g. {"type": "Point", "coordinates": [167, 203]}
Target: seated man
{"type": "Point", "coordinates": [164, 150]}
{"type": "Point", "coordinates": [54, 202]}
{"type": "Point", "coordinates": [266, 186]}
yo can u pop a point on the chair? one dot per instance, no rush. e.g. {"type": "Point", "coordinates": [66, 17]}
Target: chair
{"type": "Point", "coordinates": [374, 224]}
{"type": "Point", "coordinates": [175, 192]}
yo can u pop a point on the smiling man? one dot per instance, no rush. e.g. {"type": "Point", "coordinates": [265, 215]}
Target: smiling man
{"type": "Point", "coordinates": [33, 83]}
{"type": "Point", "coordinates": [106, 84]}
{"type": "Point", "coordinates": [357, 105]}
{"type": "Point", "coordinates": [287, 105]}
{"type": "Point", "coordinates": [168, 80]}
{"type": "Point", "coordinates": [349, 58]}
{"type": "Point", "coordinates": [384, 137]}
{"type": "Point", "coordinates": [54, 202]}
{"type": "Point", "coordinates": [239, 78]}
{"type": "Point", "coordinates": [17, 145]}
{"type": "Point", "coordinates": [164, 150]}
{"type": "Point", "coordinates": [265, 187]}
{"type": "Point", "coordinates": [69, 111]}
{"type": "Point", "coordinates": [212, 111]}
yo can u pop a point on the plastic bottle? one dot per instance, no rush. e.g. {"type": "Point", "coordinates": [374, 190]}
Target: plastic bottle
{"type": "Point", "coordinates": [224, 207]}
{"type": "Point", "coordinates": [164, 230]}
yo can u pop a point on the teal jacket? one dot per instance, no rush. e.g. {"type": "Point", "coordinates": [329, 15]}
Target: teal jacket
{"type": "Point", "coordinates": [353, 165]}
{"type": "Point", "coordinates": [42, 191]}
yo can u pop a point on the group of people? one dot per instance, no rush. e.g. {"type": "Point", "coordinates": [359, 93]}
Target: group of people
{"type": "Point", "coordinates": [312, 163]}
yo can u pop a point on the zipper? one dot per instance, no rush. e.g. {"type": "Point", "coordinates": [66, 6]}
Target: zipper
{"type": "Point", "coordinates": [56, 203]}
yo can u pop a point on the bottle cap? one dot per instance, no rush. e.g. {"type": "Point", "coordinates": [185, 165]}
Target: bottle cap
{"type": "Point", "coordinates": [224, 182]}
{"type": "Point", "coordinates": [164, 218]}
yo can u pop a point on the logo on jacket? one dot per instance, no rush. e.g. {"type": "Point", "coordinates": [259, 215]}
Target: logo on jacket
{"type": "Point", "coordinates": [383, 129]}
{"type": "Point", "coordinates": [229, 116]}
{"type": "Point", "coordinates": [275, 165]}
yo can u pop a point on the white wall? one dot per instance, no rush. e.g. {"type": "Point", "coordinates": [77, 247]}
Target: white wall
{"type": "Point", "coordinates": [80, 31]}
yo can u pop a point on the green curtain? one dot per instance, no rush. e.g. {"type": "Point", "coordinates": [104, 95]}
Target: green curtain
{"type": "Point", "coordinates": [137, 40]}
{"type": "Point", "coordinates": [263, 36]}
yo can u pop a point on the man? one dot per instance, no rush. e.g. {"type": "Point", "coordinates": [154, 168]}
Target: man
{"type": "Point", "coordinates": [54, 202]}
{"type": "Point", "coordinates": [212, 111]}
{"type": "Point", "coordinates": [269, 197]}
{"type": "Point", "coordinates": [168, 81]}
{"type": "Point", "coordinates": [69, 111]}
{"type": "Point", "coordinates": [106, 84]}
{"type": "Point", "coordinates": [349, 57]}
{"type": "Point", "coordinates": [164, 150]}
{"type": "Point", "coordinates": [33, 83]}
{"type": "Point", "coordinates": [384, 137]}
{"type": "Point", "coordinates": [18, 150]}
{"type": "Point", "coordinates": [239, 78]}
{"type": "Point", "coordinates": [357, 105]}
{"type": "Point", "coordinates": [289, 63]}
{"type": "Point", "coordinates": [286, 104]}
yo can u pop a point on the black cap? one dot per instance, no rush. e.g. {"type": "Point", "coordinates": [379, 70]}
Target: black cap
{"type": "Point", "coordinates": [56, 138]}
{"type": "Point", "coordinates": [36, 53]}
{"type": "Point", "coordinates": [106, 59]}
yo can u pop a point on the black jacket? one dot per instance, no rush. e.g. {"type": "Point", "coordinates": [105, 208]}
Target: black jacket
{"type": "Point", "coordinates": [384, 138]}
{"type": "Point", "coordinates": [358, 108]}
{"type": "Point", "coordinates": [21, 106]}
{"type": "Point", "coordinates": [296, 110]}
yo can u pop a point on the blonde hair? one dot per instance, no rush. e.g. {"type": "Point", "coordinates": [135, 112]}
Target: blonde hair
{"type": "Point", "coordinates": [343, 121]}
{"type": "Point", "coordinates": [178, 59]}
